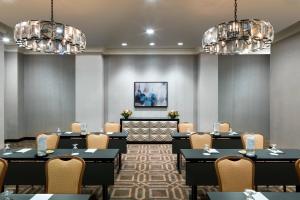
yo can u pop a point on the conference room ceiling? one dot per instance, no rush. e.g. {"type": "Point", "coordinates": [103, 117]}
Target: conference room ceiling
{"type": "Point", "coordinates": [108, 23]}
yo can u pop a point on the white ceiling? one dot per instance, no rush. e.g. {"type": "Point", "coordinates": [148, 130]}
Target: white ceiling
{"type": "Point", "coordinates": [108, 23]}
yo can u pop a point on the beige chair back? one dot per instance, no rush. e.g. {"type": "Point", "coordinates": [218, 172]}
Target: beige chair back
{"type": "Point", "coordinates": [297, 166]}
{"type": "Point", "coordinates": [198, 141]}
{"type": "Point", "coordinates": [64, 176]}
{"type": "Point", "coordinates": [258, 138]}
{"type": "Point", "coordinates": [3, 170]}
{"type": "Point", "coordinates": [52, 140]}
{"type": "Point", "coordinates": [235, 174]}
{"type": "Point", "coordinates": [224, 127]}
{"type": "Point", "coordinates": [111, 127]}
{"type": "Point", "coordinates": [185, 127]}
{"type": "Point", "coordinates": [97, 141]}
{"type": "Point", "coordinates": [76, 127]}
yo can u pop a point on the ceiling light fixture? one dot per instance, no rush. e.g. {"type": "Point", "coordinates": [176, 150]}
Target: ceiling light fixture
{"type": "Point", "coordinates": [238, 36]}
{"type": "Point", "coordinates": [124, 44]}
{"type": "Point", "coordinates": [49, 36]}
{"type": "Point", "coordinates": [150, 31]}
{"type": "Point", "coordinates": [152, 44]}
{"type": "Point", "coordinates": [180, 43]}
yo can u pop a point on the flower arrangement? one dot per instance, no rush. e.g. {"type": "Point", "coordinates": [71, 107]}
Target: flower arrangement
{"type": "Point", "coordinates": [126, 113]}
{"type": "Point", "coordinates": [173, 114]}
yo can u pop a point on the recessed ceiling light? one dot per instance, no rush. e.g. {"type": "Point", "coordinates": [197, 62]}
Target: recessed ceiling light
{"type": "Point", "coordinates": [150, 31]}
{"type": "Point", "coordinates": [152, 44]}
{"type": "Point", "coordinates": [180, 43]}
{"type": "Point", "coordinates": [5, 40]}
{"type": "Point", "coordinates": [124, 44]}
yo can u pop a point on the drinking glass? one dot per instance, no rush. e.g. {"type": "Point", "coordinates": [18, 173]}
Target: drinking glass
{"type": "Point", "coordinates": [273, 147]}
{"type": "Point", "coordinates": [75, 150]}
{"type": "Point", "coordinates": [7, 150]}
{"type": "Point", "coordinates": [206, 148]}
{"type": "Point", "coordinates": [58, 131]}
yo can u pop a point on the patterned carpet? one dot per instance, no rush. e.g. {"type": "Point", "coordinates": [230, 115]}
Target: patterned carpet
{"type": "Point", "coordinates": [148, 173]}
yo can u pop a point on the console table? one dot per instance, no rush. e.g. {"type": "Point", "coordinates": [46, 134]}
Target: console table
{"type": "Point", "coordinates": [149, 129]}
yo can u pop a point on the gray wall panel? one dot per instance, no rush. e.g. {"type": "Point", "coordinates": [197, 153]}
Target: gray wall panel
{"type": "Point", "coordinates": [49, 92]}
{"type": "Point", "coordinates": [244, 92]}
{"type": "Point", "coordinates": [285, 92]}
{"type": "Point", "coordinates": [2, 84]}
{"type": "Point", "coordinates": [122, 71]}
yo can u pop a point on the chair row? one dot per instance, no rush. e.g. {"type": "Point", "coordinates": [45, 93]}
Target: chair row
{"type": "Point", "coordinates": [221, 127]}
{"type": "Point", "coordinates": [93, 141]}
{"type": "Point", "coordinates": [63, 174]}
{"type": "Point", "coordinates": [198, 141]}
{"type": "Point", "coordinates": [235, 174]}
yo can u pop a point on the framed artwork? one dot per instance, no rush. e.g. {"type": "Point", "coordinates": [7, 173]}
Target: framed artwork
{"type": "Point", "coordinates": [151, 94]}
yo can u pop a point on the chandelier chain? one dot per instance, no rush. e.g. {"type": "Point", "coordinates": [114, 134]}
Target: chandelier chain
{"type": "Point", "coordinates": [52, 17]}
{"type": "Point", "coordinates": [235, 10]}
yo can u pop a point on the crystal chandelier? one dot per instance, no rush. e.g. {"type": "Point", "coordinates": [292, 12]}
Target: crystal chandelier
{"type": "Point", "coordinates": [49, 36]}
{"type": "Point", "coordinates": [238, 36]}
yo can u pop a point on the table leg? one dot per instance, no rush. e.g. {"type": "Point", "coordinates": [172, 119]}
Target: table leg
{"type": "Point", "coordinates": [120, 162]}
{"type": "Point", "coordinates": [179, 163]}
{"type": "Point", "coordinates": [297, 188]}
{"type": "Point", "coordinates": [194, 192]}
{"type": "Point", "coordinates": [105, 192]}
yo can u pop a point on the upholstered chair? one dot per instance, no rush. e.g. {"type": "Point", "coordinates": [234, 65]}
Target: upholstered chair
{"type": "Point", "coordinates": [111, 127]}
{"type": "Point", "coordinates": [297, 166]}
{"type": "Point", "coordinates": [185, 127]}
{"type": "Point", "coordinates": [64, 175]}
{"type": "Point", "coordinates": [76, 127]}
{"type": "Point", "coordinates": [235, 174]}
{"type": "Point", "coordinates": [224, 127]}
{"type": "Point", "coordinates": [3, 170]}
{"type": "Point", "coordinates": [198, 141]}
{"type": "Point", "coordinates": [94, 141]}
{"type": "Point", "coordinates": [52, 140]}
{"type": "Point", "coordinates": [258, 138]}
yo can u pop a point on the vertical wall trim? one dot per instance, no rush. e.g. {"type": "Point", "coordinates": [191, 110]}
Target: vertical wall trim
{"type": "Point", "coordinates": [2, 85]}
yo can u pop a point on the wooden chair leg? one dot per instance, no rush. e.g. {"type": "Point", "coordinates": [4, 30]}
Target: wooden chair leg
{"type": "Point", "coordinates": [17, 189]}
{"type": "Point", "coordinates": [284, 188]}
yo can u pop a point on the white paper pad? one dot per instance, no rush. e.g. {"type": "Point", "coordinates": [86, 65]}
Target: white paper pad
{"type": "Point", "coordinates": [206, 154]}
{"type": "Point", "coordinates": [75, 154]}
{"type": "Point", "coordinates": [23, 150]}
{"type": "Point", "coordinates": [259, 196]}
{"type": "Point", "coordinates": [109, 133]}
{"type": "Point", "coordinates": [6, 154]}
{"type": "Point", "coordinates": [213, 151]}
{"type": "Point", "coordinates": [68, 132]}
{"type": "Point", "coordinates": [90, 150]}
{"type": "Point", "coordinates": [233, 133]}
{"type": "Point", "coordinates": [275, 151]}
{"type": "Point", "coordinates": [212, 133]}
{"type": "Point", "coordinates": [41, 197]}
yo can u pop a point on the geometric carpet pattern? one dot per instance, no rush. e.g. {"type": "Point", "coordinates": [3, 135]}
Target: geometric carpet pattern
{"type": "Point", "coordinates": [148, 173]}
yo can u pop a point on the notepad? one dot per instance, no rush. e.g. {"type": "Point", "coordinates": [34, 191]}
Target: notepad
{"type": "Point", "coordinates": [109, 133]}
{"type": "Point", "coordinates": [212, 151]}
{"type": "Point", "coordinates": [41, 197]}
{"type": "Point", "coordinates": [277, 151]}
{"type": "Point", "coordinates": [233, 133]}
{"type": "Point", "coordinates": [68, 132]}
{"type": "Point", "coordinates": [258, 196]}
{"type": "Point", "coordinates": [23, 150]}
{"type": "Point", "coordinates": [90, 150]}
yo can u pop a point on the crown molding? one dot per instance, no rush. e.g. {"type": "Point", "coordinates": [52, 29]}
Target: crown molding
{"type": "Point", "coordinates": [287, 32]}
{"type": "Point", "coordinates": [151, 51]}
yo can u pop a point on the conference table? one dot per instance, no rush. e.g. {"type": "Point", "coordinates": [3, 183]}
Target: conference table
{"type": "Point", "coordinates": [269, 169]}
{"type": "Point", "coordinates": [118, 140]}
{"type": "Point", "coordinates": [242, 196]}
{"type": "Point", "coordinates": [53, 197]}
{"type": "Point", "coordinates": [28, 169]}
{"type": "Point", "coordinates": [220, 141]}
